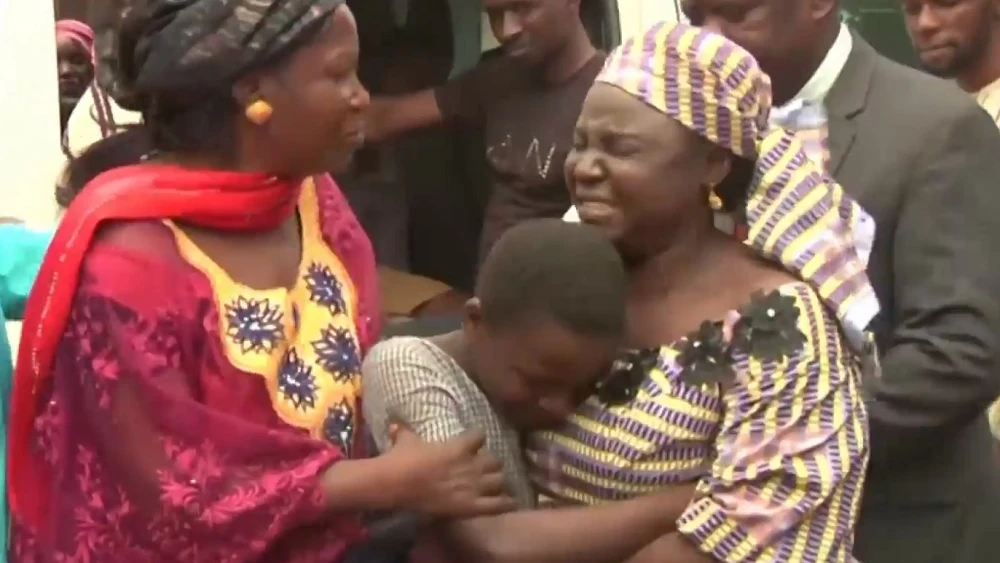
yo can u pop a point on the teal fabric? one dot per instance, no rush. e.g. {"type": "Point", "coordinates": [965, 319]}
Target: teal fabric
{"type": "Point", "coordinates": [21, 253]}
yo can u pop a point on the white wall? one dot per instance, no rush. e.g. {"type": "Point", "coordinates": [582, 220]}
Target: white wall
{"type": "Point", "coordinates": [30, 157]}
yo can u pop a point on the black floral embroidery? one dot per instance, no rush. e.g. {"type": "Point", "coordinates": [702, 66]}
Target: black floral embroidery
{"type": "Point", "coordinates": [705, 356]}
{"type": "Point", "coordinates": [626, 376]}
{"type": "Point", "coordinates": [768, 328]}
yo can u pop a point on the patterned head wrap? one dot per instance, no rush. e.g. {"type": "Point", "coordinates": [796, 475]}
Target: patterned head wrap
{"type": "Point", "coordinates": [190, 46]}
{"type": "Point", "coordinates": [797, 215]}
{"type": "Point", "coordinates": [77, 32]}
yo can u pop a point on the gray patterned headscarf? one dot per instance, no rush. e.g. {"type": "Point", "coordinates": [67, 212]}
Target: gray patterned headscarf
{"type": "Point", "coordinates": [190, 46]}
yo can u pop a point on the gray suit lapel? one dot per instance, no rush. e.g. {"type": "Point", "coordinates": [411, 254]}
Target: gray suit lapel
{"type": "Point", "coordinates": [846, 101]}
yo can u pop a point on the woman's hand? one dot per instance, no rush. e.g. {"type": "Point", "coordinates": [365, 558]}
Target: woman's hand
{"type": "Point", "coordinates": [453, 479]}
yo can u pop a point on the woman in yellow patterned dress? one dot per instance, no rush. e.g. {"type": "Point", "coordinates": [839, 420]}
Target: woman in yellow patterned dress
{"type": "Point", "coordinates": [188, 384]}
{"type": "Point", "coordinates": [745, 367]}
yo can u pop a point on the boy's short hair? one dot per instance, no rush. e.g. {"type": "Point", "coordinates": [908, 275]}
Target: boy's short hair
{"type": "Point", "coordinates": [547, 268]}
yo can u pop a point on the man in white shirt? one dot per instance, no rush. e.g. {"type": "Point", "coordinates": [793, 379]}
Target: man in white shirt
{"type": "Point", "coordinates": [922, 159]}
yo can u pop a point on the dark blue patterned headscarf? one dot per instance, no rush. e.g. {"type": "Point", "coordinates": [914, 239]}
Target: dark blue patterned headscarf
{"type": "Point", "coordinates": [191, 46]}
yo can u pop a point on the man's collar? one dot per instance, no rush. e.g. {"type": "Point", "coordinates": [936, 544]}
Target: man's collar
{"type": "Point", "coordinates": [826, 74]}
{"type": "Point", "coordinates": [988, 90]}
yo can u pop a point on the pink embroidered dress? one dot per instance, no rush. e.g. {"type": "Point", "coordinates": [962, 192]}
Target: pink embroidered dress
{"type": "Point", "coordinates": [190, 418]}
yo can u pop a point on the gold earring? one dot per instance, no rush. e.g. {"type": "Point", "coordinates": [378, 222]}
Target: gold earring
{"type": "Point", "coordinates": [259, 112]}
{"type": "Point", "coordinates": [714, 201]}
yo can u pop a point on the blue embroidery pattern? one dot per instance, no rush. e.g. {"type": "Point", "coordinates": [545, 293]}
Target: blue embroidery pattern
{"type": "Point", "coordinates": [296, 381]}
{"type": "Point", "coordinates": [325, 289]}
{"type": "Point", "coordinates": [338, 427]}
{"type": "Point", "coordinates": [254, 324]}
{"type": "Point", "coordinates": [300, 339]}
{"type": "Point", "coordinates": [337, 353]}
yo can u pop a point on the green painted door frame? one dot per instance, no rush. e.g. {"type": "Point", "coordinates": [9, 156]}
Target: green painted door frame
{"type": "Point", "coordinates": [880, 22]}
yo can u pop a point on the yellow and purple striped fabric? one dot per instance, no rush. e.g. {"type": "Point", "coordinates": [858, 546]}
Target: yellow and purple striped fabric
{"type": "Point", "coordinates": [779, 457]}
{"type": "Point", "coordinates": [796, 213]}
{"type": "Point", "coordinates": [706, 82]}
{"type": "Point", "coordinates": [800, 217]}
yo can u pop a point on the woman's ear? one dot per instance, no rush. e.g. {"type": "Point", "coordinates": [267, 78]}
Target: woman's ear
{"type": "Point", "coordinates": [733, 190]}
{"type": "Point", "coordinates": [718, 163]}
{"type": "Point", "coordinates": [247, 90]}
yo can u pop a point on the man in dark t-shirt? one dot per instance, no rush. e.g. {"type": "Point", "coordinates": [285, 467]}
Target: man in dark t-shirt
{"type": "Point", "coordinates": [527, 100]}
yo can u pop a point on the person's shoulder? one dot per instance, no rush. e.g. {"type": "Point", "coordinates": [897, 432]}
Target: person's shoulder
{"type": "Point", "coordinates": [139, 255]}
{"type": "Point", "coordinates": [397, 367]}
{"type": "Point", "coordinates": [136, 265]}
{"type": "Point", "coordinates": [814, 318]}
{"type": "Point", "coordinates": [148, 237]}
{"type": "Point", "coordinates": [918, 93]}
{"type": "Point", "coordinates": [399, 354]}
{"type": "Point", "coordinates": [397, 346]}
{"type": "Point", "coordinates": [337, 218]}
{"type": "Point", "coordinates": [921, 116]}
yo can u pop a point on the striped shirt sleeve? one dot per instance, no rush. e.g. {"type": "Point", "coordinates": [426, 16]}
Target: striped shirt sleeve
{"type": "Point", "coordinates": [792, 450]}
{"type": "Point", "coordinates": [404, 383]}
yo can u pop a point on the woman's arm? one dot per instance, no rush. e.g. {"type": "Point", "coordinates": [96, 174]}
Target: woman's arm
{"type": "Point", "coordinates": [792, 454]}
{"type": "Point", "coordinates": [21, 253]}
{"type": "Point", "coordinates": [406, 383]}
{"type": "Point", "coordinates": [129, 396]}
{"type": "Point", "coordinates": [671, 548]}
{"type": "Point", "coordinates": [452, 479]}
{"type": "Point", "coordinates": [607, 533]}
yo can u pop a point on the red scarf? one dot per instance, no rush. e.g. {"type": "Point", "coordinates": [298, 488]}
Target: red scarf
{"type": "Point", "coordinates": [229, 201]}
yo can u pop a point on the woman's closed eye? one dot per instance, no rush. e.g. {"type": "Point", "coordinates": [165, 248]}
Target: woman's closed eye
{"type": "Point", "coordinates": [617, 144]}
{"type": "Point", "coordinates": [341, 66]}
{"type": "Point", "coordinates": [612, 144]}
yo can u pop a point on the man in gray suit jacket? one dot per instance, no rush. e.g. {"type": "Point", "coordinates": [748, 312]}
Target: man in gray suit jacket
{"type": "Point", "coordinates": [924, 161]}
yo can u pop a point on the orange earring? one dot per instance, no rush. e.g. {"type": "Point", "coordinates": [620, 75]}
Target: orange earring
{"type": "Point", "coordinates": [714, 201]}
{"type": "Point", "coordinates": [259, 112]}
